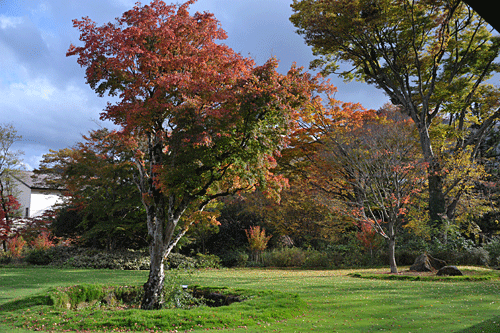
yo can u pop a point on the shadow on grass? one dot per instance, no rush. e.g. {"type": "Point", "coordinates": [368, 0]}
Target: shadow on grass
{"type": "Point", "coordinates": [490, 325]}
{"type": "Point", "coordinates": [26, 303]}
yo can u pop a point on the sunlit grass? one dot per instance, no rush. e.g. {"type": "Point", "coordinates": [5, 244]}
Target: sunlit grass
{"type": "Point", "coordinates": [332, 301]}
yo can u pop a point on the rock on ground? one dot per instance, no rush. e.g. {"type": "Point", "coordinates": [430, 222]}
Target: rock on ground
{"type": "Point", "coordinates": [426, 263]}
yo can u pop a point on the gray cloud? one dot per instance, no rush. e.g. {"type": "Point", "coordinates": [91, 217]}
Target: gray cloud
{"type": "Point", "coordinates": [44, 93]}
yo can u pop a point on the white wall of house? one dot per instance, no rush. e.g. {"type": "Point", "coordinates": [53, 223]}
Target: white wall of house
{"type": "Point", "coordinates": [23, 196]}
{"type": "Point", "coordinates": [34, 200]}
{"type": "Point", "coordinates": [42, 200]}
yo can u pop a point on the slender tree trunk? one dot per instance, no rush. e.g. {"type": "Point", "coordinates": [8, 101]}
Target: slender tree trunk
{"type": "Point", "coordinates": [160, 233]}
{"type": "Point", "coordinates": [392, 254]}
{"type": "Point", "coordinates": [391, 242]}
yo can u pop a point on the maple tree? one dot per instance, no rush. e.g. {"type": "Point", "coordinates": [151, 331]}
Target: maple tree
{"type": "Point", "coordinates": [365, 159]}
{"type": "Point", "coordinates": [206, 121]}
{"type": "Point", "coordinates": [432, 58]}
{"type": "Point", "coordinates": [9, 165]}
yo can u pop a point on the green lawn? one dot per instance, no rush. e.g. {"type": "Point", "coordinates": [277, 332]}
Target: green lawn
{"type": "Point", "coordinates": [334, 302]}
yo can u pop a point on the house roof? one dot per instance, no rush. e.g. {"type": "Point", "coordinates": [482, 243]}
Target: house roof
{"type": "Point", "coordinates": [37, 181]}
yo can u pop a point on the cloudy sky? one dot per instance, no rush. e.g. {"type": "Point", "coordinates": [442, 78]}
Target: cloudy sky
{"type": "Point", "coordinates": [43, 93]}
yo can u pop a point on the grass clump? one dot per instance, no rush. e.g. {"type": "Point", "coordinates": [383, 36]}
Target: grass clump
{"type": "Point", "coordinates": [97, 307]}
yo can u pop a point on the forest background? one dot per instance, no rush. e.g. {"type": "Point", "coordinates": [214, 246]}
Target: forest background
{"type": "Point", "coordinates": [364, 187]}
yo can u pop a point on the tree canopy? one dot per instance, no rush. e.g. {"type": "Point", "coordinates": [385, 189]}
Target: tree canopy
{"type": "Point", "coordinates": [432, 58]}
{"type": "Point", "coordinates": [203, 120]}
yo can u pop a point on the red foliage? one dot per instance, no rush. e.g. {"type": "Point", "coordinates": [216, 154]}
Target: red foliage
{"type": "Point", "coordinates": [42, 241]}
{"type": "Point", "coordinates": [212, 120]}
{"type": "Point", "coordinates": [205, 121]}
{"type": "Point", "coordinates": [7, 209]}
{"type": "Point", "coordinates": [367, 235]}
{"type": "Point", "coordinates": [16, 245]}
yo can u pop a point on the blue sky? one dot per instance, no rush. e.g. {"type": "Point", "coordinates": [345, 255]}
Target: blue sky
{"type": "Point", "coordinates": [43, 93]}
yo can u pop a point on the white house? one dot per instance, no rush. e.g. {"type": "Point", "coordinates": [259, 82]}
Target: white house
{"type": "Point", "coordinates": [34, 194]}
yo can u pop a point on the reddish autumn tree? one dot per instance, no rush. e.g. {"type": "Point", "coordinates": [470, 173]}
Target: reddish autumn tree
{"type": "Point", "coordinates": [9, 207]}
{"type": "Point", "coordinates": [207, 121]}
{"type": "Point", "coordinates": [365, 160]}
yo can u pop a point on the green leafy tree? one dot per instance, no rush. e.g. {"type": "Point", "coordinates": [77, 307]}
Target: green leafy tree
{"type": "Point", "coordinates": [211, 121]}
{"type": "Point", "coordinates": [98, 174]}
{"type": "Point", "coordinates": [10, 163]}
{"type": "Point", "coordinates": [432, 58]}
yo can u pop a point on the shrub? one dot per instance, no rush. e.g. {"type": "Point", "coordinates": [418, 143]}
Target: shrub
{"type": "Point", "coordinates": [39, 257]}
{"type": "Point", "coordinates": [65, 256]}
{"type": "Point", "coordinates": [126, 260]}
{"type": "Point", "coordinates": [475, 256]}
{"type": "Point", "coordinates": [207, 261]}
{"type": "Point", "coordinates": [316, 259]}
{"type": "Point", "coordinates": [348, 255]}
{"type": "Point", "coordinates": [177, 260]}
{"type": "Point", "coordinates": [257, 240]}
{"type": "Point", "coordinates": [5, 258]}
{"type": "Point", "coordinates": [16, 245]}
{"type": "Point", "coordinates": [42, 241]}
{"type": "Point", "coordinates": [286, 257]}
{"type": "Point", "coordinates": [241, 259]}
{"type": "Point", "coordinates": [493, 248]}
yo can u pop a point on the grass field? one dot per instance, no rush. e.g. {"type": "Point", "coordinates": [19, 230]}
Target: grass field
{"type": "Point", "coordinates": [331, 302]}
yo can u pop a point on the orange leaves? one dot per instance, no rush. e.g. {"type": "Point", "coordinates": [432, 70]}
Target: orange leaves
{"type": "Point", "coordinates": [366, 159]}
{"type": "Point", "coordinates": [257, 238]}
{"type": "Point", "coordinates": [203, 120]}
{"type": "Point", "coordinates": [157, 54]}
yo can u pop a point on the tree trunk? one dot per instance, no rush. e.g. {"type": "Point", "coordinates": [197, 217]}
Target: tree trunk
{"type": "Point", "coordinates": [392, 254]}
{"type": "Point", "coordinates": [437, 202]}
{"type": "Point", "coordinates": [391, 242]}
{"type": "Point", "coordinates": [153, 297]}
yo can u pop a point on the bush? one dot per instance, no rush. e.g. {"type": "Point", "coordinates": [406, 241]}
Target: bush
{"type": "Point", "coordinates": [177, 260]}
{"type": "Point", "coordinates": [65, 256]}
{"type": "Point", "coordinates": [316, 259]}
{"type": "Point", "coordinates": [348, 255]}
{"type": "Point", "coordinates": [493, 248]}
{"type": "Point", "coordinates": [241, 259]}
{"type": "Point", "coordinates": [39, 257]}
{"type": "Point", "coordinates": [286, 257]}
{"type": "Point", "coordinates": [475, 256]}
{"type": "Point", "coordinates": [16, 246]}
{"type": "Point", "coordinates": [234, 258]}
{"type": "Point", "coordinates": [207, 261]}
{"type": "Point", "coordinates": [126, 260]}
{"type": "Point", "coordinates": [5, 258]}
{"type": "Point", "coordinates": [42, 242]}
